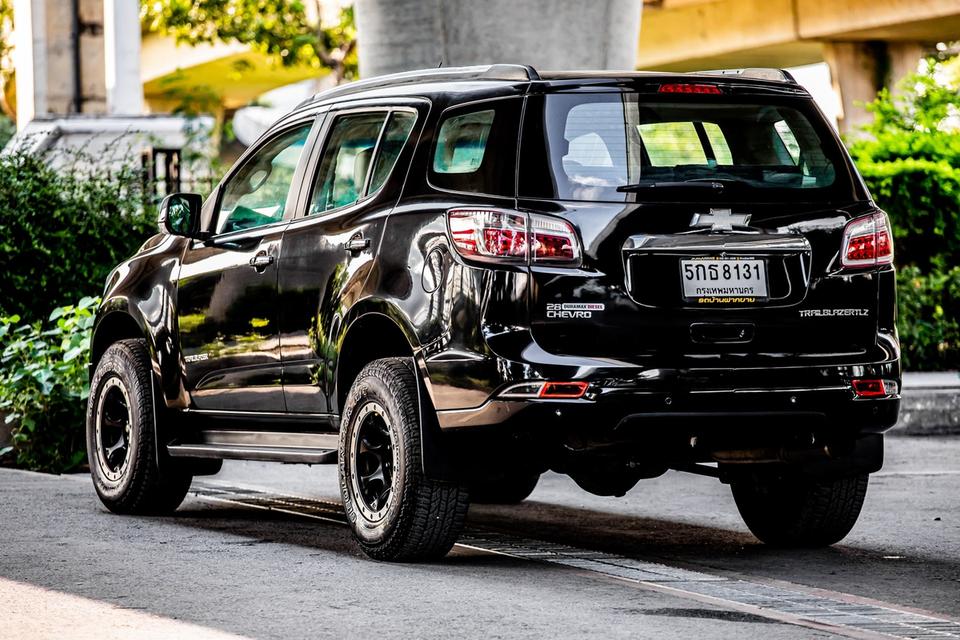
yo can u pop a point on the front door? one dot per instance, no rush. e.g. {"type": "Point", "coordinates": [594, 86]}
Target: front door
{"type": "Point", "coordinates": [227, 307]}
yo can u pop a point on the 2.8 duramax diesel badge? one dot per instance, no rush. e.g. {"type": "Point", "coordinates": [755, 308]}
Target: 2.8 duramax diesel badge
{"type": "Point", "coordinates": [447, 282]}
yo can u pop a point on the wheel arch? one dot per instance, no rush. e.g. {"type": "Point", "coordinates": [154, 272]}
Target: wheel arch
{"type": "Point", "coordinates": [114, 325]}
{"type": "Point", "coordinates": [380, 330]}
{"type": "Point", "coordinates": [377, 331]}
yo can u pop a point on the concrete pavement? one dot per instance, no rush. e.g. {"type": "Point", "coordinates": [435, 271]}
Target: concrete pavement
{"type": "Point", "coordinates": [224, 568]}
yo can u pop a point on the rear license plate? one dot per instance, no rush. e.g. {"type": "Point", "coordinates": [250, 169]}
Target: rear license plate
{"type": "Point", "coordinates": [724, 280]}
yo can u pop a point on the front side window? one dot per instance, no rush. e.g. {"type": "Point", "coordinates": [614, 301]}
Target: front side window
{"type": "Point", "coordinates": [621, 146]}
{"type": "Point", "coordinates": [256, 194]}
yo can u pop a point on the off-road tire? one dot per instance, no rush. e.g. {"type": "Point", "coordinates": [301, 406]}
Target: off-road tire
{"type": "Point", "coordinates": [422, 517]}
{"type": "Point", "coordinates": [798, 511]}
{"type": "Point", "coordinates": [142, 487]}
{"type": "Point", "coordinates": [511, 488]}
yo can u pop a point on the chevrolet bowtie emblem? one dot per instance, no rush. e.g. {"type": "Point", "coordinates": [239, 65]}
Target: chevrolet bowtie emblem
{"type": "Point", "coordinates": [720, 220]}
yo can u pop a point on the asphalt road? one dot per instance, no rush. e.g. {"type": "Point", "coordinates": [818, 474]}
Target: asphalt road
{"type": "Point", "coordinates": [258, 551]}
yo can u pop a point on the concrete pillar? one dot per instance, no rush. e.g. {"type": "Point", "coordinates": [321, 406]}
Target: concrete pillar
{"type": "Point", "coordinates": [92, 59]}
{"type": "Point", "coordinates": [29, 58]}
{"type": "Point", "coordinates": [47, 39]}
{"type": "Point", "coordinates": [121, 33]}
{"type": "Point", "coordinates": [857, 72]}
{"type": "Point", "coordinates": [904, 58]}
{"type": "Point", "coordinates": [399, 35]}
{"type": "Point", "coordinates": [860, 69]}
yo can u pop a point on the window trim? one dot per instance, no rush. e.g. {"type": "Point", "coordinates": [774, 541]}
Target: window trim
{"type": "Point", "coordinates": [289, 209]}
{"type": "Point", "coordinates": [516, 160]}
{"type": "Point", "coordinates": [323, 140]}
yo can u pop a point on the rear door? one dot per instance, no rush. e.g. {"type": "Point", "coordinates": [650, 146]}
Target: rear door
{"type": "Point", "coordinates": [711, 228]}
{"type": "Point", "coordinates": [330, 250]}
{"type": "Point", "coordinates": [227, 311]}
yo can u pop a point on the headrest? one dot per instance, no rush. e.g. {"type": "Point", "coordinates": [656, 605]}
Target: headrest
{"type": "Point", "coordinates": [361, 163]}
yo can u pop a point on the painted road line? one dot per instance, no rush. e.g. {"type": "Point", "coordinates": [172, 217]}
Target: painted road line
{"type": "Point", "coordinates": [42, 614]}
{"type": "Point", "coordinates": [836, 612]}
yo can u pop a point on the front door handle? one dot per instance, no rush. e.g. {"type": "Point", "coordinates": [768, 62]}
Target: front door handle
{"type": "Point", "coordinates": [357, 244]}
{"type": "Point", "coordinates": [261, 261]}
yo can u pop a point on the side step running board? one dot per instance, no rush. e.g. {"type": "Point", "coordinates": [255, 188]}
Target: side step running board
{"type": "Point", "coordinates": [312, 448]}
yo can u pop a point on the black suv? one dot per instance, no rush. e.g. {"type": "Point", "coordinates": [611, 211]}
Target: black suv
{"type": "Point", "coordinates": [447, 282]}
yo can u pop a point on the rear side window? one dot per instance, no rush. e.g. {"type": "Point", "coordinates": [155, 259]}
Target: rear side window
{"type": "Point", "coordinates": [581, 146]}
{"type": "Point", "coordinates": [391, 144]}
{"type": "Point", "coordinates": [475, 148]}
{"type": "Point", "coordinates": [358, 156]}
{"type": "Point", "coordinates": [346, 161]}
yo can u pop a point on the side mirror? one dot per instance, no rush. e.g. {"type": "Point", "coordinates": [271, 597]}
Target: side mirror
{"type": "Point", "coordinates": [180, 215]}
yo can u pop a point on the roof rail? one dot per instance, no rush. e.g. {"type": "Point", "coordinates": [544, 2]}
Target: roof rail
{"type": "Point", "coordinates": [507, 72]}
{"type": "Point", "coordinates": [757, 73]}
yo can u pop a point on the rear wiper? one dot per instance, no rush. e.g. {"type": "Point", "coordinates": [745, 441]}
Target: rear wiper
{"type": "Point", "coordinates": [699, 183]}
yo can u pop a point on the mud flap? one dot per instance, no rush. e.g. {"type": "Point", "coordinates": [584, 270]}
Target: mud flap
{"type": "Point", "coordinates": [436, 463]}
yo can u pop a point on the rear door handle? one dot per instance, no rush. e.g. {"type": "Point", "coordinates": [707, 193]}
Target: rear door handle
{"type": "Point", "coordinates": [261, 261]}
{"type": "Point", "coordinates": [357, 243]}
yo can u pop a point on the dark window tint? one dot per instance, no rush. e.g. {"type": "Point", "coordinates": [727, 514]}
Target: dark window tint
{"type": "Point", "coordinates": [475, 148]}
{"type": "Point", "coordinates": [585, 146]}
{"type": "Point", "coordinates": [391, 144]}
{"type": "Point", "coordinates": [347, 155]}
{"type": "Point", "coordinates": [257, 193]}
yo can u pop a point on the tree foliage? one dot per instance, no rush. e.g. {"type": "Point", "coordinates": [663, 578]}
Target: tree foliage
{"type": "Point", "coordinates": [910, 159]}
{"type": "Point", "coordinates": [286, 30]}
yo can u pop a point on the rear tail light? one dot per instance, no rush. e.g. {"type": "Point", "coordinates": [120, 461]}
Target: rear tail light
{"type": "Point", "coordinates": [868, 388]}
{"type": "Point", "coordinates": [499, 235]}
{"type": "Point", "coordinates": [709, 89]}
{"type": "Point", "coordinates": [867, 242]}
{"type": "Point", "coordinates": [570, 390]}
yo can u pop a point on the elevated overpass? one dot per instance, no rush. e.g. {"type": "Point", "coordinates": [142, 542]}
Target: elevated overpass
{"type": "Point", "coordinates": [867, 43]}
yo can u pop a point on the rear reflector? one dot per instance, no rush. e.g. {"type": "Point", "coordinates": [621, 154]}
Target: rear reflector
{"type": "Point", "coordinates": [563, 389]}
{"type": "Point", "coordinates": [710, 89]}
{"type": "Point", "coordinates": [867, 242]}
{"type": "Point", "coordinates": [547, 390]}
{"type": "Point", "coordinates": [498, 235]}
{"type": "Point", "coordinates": [875, 388]}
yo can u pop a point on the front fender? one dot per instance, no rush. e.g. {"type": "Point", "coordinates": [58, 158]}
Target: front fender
{"type": "Point", "coordinates": [140, 301]}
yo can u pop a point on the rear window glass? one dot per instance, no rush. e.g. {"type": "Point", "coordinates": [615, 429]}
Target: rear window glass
{"type": "Point", "coordinates": [586, 146]}
{"type": "Point", "coordinates": [475, 148]}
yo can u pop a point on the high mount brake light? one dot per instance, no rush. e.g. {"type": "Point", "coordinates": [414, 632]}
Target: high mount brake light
{"type": "Point", "coordinates": [708, 89]}
{"type": "Point", "coordinates": [867, 242]}
{"type": "Point", "coordinates": [497, 235]}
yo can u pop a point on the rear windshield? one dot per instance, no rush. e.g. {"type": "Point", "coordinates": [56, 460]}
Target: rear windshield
{"type": "Point", "coordinates": [624, 146]}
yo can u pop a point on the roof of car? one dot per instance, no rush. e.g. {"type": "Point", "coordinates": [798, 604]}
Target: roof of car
{"type": "Point", "coordinates": [440, 79]}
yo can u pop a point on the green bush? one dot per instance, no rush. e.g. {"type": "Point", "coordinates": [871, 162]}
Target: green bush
{"type": "Point", "coordinates": [44, 387]}
{"type": "Point", "coordinates": [910, 160]}
{"type": "Point", "coordinates": [922, 198]}
{"type": "Point", "coordinates": [929, 305]}
{"type": "Point", "coordinates": [62, 232]}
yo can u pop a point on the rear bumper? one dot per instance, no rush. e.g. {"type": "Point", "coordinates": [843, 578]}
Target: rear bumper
{"type": "Point", "coordinates": [708, 409]}
{"type": "Point", "coordinates": [813, 397]}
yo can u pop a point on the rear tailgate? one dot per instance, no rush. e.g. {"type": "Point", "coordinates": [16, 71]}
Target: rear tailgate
{"type": "Point", "coordinates": [628, 300]}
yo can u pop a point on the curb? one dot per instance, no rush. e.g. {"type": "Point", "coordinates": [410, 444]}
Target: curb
{"type": "Point", "coordinates": [930, 404]}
